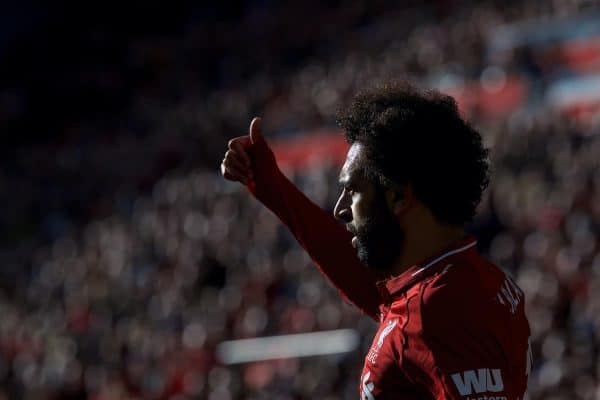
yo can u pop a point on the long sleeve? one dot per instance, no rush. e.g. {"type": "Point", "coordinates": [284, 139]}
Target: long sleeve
{"type": "Point", "coordinates": [326, 241]}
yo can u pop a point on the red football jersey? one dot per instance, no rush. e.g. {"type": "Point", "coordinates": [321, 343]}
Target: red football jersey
{"type": "Point", "coordinates": [451, 327]}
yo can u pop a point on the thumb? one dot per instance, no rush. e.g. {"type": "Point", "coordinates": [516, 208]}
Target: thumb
{"type": "Point", "coordinates": [256, 131]}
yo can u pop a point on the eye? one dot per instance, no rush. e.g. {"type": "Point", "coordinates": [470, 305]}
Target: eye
{"type": "Point", "coordinates": [347, 190]}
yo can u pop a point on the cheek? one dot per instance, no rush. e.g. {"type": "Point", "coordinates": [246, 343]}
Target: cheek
{"type": "Point", "coordinates": [360, 208]}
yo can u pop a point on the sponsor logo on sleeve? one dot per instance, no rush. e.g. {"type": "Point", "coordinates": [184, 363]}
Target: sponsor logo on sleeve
{"type": "Point", "coordinates": [482, 380]}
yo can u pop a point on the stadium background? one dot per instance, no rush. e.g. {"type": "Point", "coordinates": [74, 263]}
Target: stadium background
{"type": "Point", "coordinates": [125, 259]}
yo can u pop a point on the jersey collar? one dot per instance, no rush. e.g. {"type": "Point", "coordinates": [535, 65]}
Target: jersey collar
{"type": "Point", "coordinates": [392, 286]}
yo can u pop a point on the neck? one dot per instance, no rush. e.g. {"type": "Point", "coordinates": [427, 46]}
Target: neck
{"type": "Point", "coordinates": [421, 244]}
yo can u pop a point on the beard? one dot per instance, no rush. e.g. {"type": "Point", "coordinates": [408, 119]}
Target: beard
{"type": "Point", "coordinates": [380, 238]}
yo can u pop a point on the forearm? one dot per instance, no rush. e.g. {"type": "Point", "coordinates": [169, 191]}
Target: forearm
{"type": "Point", "coordinates": [325, 240]}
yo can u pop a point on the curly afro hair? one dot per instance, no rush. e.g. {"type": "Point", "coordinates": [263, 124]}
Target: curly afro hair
{"type": "Point", "coordinates": [418, 137]}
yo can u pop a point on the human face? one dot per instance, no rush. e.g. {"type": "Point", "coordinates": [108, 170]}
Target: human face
{"type": "Point", "coordinates": [362, 206]}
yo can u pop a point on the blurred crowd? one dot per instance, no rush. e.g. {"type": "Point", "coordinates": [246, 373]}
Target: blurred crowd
{"type": "Point", "coordinates": [153, 259]}
{"type": "Point", "coordinates": [132, 101]}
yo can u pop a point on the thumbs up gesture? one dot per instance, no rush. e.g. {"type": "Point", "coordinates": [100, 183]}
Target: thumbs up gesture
{"type": "Point", "coordinates": [237, 164]}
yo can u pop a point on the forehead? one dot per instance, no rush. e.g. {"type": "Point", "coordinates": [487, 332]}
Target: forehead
{"type": "Point", "coordinates": [353, 161]}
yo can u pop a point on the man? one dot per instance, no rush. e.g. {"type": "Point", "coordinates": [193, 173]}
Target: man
{"type": "Point", "coordinates": [451, 324]}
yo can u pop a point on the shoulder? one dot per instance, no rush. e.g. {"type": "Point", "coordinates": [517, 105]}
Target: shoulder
{"type": "Point", "coordinates": [469, 298]}
{"type": "Point", "coordinates": [453, 286]}
{"type": "Point", "coordinates": [462, 293]}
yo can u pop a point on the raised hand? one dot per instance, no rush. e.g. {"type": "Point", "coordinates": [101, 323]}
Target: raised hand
{"type": "Point", "coordinates": [237, 164]}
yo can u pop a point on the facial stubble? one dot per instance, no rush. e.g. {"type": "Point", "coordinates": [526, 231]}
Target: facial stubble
{"type": "Point", "coordinates": [380, 237]}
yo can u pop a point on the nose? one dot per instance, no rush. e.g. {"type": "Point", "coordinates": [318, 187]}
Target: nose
{"type": "Point", "coordinates": [343, 210]}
